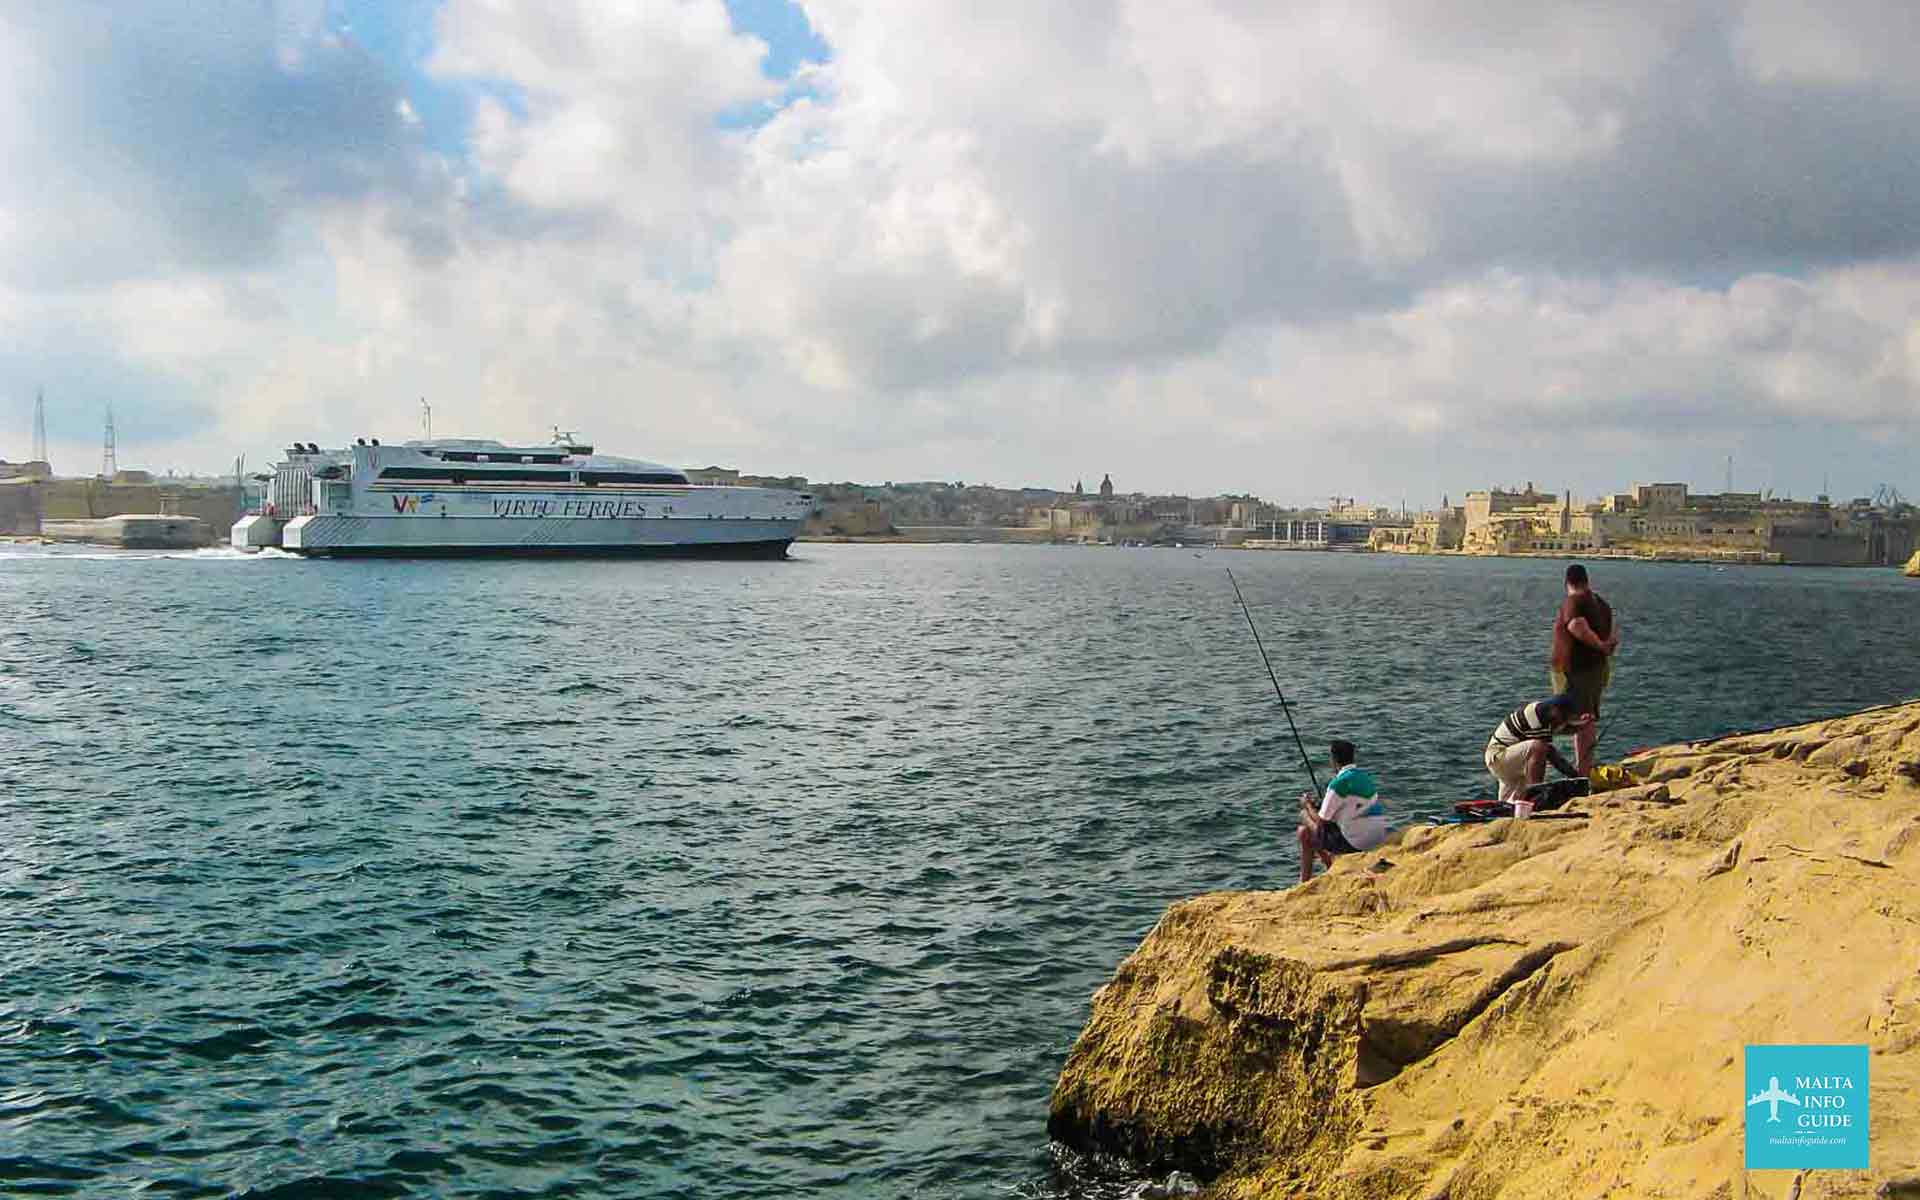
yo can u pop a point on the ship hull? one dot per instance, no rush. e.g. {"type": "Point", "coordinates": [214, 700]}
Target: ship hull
{"type": "Point", "coordinates": [340, 536]}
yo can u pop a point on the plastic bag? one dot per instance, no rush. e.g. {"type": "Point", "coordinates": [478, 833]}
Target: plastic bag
{"type": "Point", "coordinates": [1610, 777]}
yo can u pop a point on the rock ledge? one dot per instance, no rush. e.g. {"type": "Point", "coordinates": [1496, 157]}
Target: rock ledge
{"type": "Point", "coordinates": [1548, 1008]}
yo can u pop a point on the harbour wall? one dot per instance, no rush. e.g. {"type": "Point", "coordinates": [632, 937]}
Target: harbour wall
{"type": "Point", "coordinates": [133, 532]}
{"type": "Point", "coordinates": [1822, 550]}
{"type": "Point", "coordinates": [24, 506]}
{"type": "Point", "coordinates": [19, 509]}
{"type": "Point", "coordinates": [974, 533]}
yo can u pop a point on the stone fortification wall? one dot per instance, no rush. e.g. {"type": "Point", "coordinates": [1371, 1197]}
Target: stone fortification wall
{"type": "Point", "coordinates": [1822, 549]}
{"type": "Point", "coordinates": [88, 499]}
{"type": "Point", "coordinates": [858, 519]}
{"type": "Point", "coordinates": [973, 533]}
{"type": "Point", "coordinates": [19, 509]}
{"type": "Point", "coordinates": [1898, 541]}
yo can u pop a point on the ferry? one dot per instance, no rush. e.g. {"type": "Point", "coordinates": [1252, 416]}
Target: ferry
{"type": "Point", "coordinates": [472, 496]}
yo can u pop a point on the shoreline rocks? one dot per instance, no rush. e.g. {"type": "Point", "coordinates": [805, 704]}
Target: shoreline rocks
{"type": "Point", "coordinates": [1541, 1008]}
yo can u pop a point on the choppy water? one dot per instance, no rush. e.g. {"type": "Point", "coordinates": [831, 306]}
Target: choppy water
{"type": "Point", "coordinates": [728, 879]}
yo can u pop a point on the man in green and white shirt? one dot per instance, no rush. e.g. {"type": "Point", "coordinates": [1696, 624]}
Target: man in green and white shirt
{"type": "Point", "coordinates": [1350, 817]}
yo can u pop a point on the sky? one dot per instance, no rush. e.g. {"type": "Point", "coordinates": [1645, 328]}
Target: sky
{"type": "Point", "coordinates": [1392, 249]}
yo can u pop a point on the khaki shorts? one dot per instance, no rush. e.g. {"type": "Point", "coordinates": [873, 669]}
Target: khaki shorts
{"type": "Point", "coordinates": [1585, 686]}
{"type": "Point", "coordinates": [1509, 767]}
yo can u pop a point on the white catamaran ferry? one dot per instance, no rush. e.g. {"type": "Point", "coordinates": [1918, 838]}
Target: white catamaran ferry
{"type": "Point", "coordinates": [472, 496]}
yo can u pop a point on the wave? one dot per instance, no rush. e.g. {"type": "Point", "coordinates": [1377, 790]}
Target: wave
{"type": "Point", "coordinates": [92, 553]}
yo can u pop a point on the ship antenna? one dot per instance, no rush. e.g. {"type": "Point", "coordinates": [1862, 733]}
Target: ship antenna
{"type": "Point", "coordinates": [426, 418]}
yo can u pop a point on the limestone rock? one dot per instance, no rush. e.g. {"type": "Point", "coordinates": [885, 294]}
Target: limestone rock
{"type": "Point", "coordinates": [1538, 1008]}
{"type": "Point", "coordinates": [1646, 793]}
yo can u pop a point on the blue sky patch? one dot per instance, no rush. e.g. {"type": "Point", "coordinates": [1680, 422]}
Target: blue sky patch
{"type": "Point", "coordinates": [399, 34]}
{"type": "Point", "coordinates": [784, 27]}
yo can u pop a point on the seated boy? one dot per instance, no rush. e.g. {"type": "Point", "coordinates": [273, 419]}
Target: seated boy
{"type": "Point", "coordinates": [1350, 818]}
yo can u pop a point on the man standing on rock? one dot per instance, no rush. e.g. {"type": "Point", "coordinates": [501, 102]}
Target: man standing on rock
{"type": "Point", "coordinates": [1350, 818]}
{"type": "Point", "coordinates": [1584, 640]}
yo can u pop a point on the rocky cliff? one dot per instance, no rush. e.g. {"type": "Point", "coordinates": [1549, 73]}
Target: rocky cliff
{"type": "Point", "coordinates": [1550, 1008]}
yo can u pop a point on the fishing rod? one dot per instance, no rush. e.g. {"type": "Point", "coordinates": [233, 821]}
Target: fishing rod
{"type": "Point", "coordinates": [1286, 708]}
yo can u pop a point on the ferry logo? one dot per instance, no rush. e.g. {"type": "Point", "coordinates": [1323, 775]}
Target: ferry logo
{"type": "Point", "coordinates": [1827, 1085]}
{"type": "Point", "coordinates": [406, 504]}
{"type": "Point", "coordinates": [1772, 1098]}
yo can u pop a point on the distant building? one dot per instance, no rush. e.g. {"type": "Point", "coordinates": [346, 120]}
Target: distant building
{"type": "Point", "coordinates": [722, 475]}
{"type": "Point", "coordinates": [1443, 529]}
{"type": "Point", "coordinates": [1665, 520]}
{"type": "Point", "coordinates": [790, 483]}
{"type": "Point", "coordinates": [1353, 512]}
{"type": "Point", "coordinates": [1106, 487]}
{"type": "Point", "coordinates": [31, 469]}
{"type": "Point", "coordinates": [1481, 507]}
{"type": "Point", "coordinates": [1660, 497]}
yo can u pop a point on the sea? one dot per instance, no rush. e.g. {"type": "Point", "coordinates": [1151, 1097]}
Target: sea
{"type": "Point", "coordinates": [635, 879]}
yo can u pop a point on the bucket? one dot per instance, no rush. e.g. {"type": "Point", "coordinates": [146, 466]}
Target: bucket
{"type": "Point", "coordinates": [1522, 808]}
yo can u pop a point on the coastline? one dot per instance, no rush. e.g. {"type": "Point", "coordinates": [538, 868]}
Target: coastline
{"type": "Point", "coordinates": [995, 536]}
{"type": "Point", "coordinates": [1525, 1009]}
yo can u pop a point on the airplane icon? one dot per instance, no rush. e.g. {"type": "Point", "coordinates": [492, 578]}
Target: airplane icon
{"type": "Point", "coordinates": [1772, 1098]}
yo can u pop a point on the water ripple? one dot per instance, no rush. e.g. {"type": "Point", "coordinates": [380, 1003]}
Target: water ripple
{"type": "Point", "coordinates": [510, 879]}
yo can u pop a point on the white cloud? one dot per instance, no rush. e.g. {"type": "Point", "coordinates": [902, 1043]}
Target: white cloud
{"type": "Point", "coordinates": [991, 240]}
{"type": "Point", "coordinates": [620, 100]}
{"type": "Point", "coordinates": [1852, 43]}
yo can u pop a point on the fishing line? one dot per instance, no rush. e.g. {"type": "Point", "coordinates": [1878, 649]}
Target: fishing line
{"type": "Point", "coordinates": [1286, 708]}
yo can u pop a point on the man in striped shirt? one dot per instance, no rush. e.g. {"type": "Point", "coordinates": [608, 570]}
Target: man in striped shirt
{"type": "Point", "coordinates": [1522, 745]}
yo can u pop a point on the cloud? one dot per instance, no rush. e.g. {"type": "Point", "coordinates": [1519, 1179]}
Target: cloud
{"type": "Point", "coordinates": [987, 189]}
{"type": "Point", "coordinates": [618, 103]}
{"type": "Point", "coordinates": [986, 240]}
{"type": "Point", "coordinates": [153, 138]}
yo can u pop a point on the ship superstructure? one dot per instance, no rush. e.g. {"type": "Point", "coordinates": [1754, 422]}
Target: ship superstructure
{"type": "Point", "coordinates": [476, 496]}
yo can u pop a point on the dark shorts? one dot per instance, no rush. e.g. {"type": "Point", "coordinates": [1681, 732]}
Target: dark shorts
{"type": "Point", "coordinates": [1584, 686]}
{"type": "Point", "coordinates": [1333, 841]}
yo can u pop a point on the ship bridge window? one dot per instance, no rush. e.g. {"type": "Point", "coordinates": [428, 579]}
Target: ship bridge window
{"type": "Point", "coordinates": [467, 456]}
{"type": "Point", "coordinates": [445, 475]}
{"type": "Point", "coordinates": [520, 475]}
{"type": "Point", "coordinates": [592, 477]}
